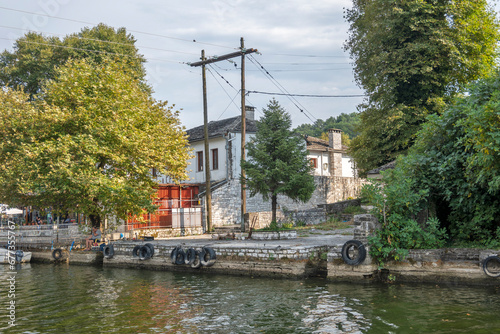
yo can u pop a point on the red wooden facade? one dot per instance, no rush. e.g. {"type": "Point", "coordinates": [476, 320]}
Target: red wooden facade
{"type": "Point", "coordinates": [168, 197]}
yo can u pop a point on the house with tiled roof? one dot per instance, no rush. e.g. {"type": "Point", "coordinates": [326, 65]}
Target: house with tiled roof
{"type": "Point", "coordinates": [334, 176]}
{"type": "Point", "coordinates": [330, 158]}
{"type": "Point", "coordinates": [225, 148]}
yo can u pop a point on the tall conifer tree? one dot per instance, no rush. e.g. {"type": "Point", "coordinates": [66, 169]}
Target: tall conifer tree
{"type": "Point", "coordinates": [277, 160]}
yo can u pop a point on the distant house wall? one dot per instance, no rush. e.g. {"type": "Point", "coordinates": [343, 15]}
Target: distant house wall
{"type": "Point", "coordinates": [323, 162]}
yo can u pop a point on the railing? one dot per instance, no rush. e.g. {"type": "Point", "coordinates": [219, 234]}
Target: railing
{"type": "Point", "coordinates": [167, 218]}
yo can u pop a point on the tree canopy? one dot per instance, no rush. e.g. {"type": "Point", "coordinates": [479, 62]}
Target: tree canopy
{"type": "Point", "coordinates": [36, 57]}
{"type": "Point", "coordinates": [411, 57]}
{"type": "Point", "coordinates": [88, 141]}
{"type": "Point", "coordinates": [277, 160]}
{"type": "Point", "coordinates": [451, 174]}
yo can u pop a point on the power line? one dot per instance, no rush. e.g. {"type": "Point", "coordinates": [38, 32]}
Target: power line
{"type": "Point", "coordinates": [135, 31]}
{"type": "Point", "coordinates": [96, 51]}
{"type": "Point", "coordinates": [305, 56]}
{"type": "Point", "coordinates": [312, 70]}
{"type": "Point", "coordinates": [302, 95]}
{"type": "Point", "coordinates": [225, 91]}
{"type": "Point", "coordinates": [281, 88]}
{"type": "Point", "coordinates": [100, 40]}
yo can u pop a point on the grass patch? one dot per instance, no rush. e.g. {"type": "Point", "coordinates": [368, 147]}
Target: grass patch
{"type": "Point", "coordinates": [331, 224]}
{"type": "Point", "coordinates": [353, 210]}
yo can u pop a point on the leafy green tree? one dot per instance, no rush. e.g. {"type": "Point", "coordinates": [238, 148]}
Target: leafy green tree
{"type": "Point", "coordinates": [277, 160]}
{"type": "Point", "coordinates": [88, 142]}
{"type": "Point", "coordinates": [411, 57]}
{"type": "Point", "coordinates": [36, 57]}
{"type": "Point", "coordinates": [451, 172]}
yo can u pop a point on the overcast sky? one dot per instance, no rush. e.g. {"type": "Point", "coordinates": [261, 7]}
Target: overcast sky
{"type": "Point", "coordinates": [300, 45]}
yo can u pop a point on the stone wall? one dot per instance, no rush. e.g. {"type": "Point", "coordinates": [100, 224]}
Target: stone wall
{"type": "Point", "coordinates": [226, 200]}
{"type": "Point", "coordinates": [338, 207]}
{"type": "Point", "coordinates": [308, 217]}
{"type": "Point", "coordinates": [45, 234]}
{"type": "Point", "coordinates": [254, 261]}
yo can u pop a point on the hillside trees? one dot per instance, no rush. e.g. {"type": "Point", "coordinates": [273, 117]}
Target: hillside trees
{"type": "Point", "coordinates": [346, 122]}
{"type": "Point", "coordinates": [277, 160]}
{"type": "Point", "coordinates": [87, 141]}
{"type": "Point", "coordinates": [411, 57]}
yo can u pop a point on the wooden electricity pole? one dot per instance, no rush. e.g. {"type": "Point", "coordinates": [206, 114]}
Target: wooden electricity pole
{"type": "Point", "coordinates": [202, 63]}
{"type": "Point", "coordinates": [243, 135]}
{"type": "Point", "coordinates": [207, 153]}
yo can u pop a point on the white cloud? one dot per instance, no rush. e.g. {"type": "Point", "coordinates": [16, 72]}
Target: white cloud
{"type": "Point", "coordinates": [281, 30]}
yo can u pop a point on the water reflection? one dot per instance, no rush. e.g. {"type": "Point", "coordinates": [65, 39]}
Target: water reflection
{"type": "Point", "coordinates": [71, 299]}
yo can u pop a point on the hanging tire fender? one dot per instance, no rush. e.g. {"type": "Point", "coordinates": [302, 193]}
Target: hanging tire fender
{"type": "Point", "coordinates": [144, 253]}
{"type": "Point", "coordinates": [135, 252]}
{"type": "Point", "coordinates": [207, 256]}
{"type": "Point", "coordinates": [151, 248]}
{"type": "Point", "coordinates": [173, 255]}
{"type": "Point", "coordinates": [361, 252]}
{"type": "Point", "coordinates": [196, 263]}
{"type": "Point", "coordinates": [190, 256]}
{"type": "Point", "coordinates": [108, 251]}
{"type": "Point", "coordinates": [180, 257]}
{"type": "Point", "coordinates": [57, 254]}
{"type": "Point", "coordinates": [487, 270]}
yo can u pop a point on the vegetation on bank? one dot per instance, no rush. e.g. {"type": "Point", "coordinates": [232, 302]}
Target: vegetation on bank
{"type": "Point", "coordinates": [446, 190]}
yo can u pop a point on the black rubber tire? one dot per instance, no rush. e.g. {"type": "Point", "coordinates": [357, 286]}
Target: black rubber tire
{"type": "Point", "coordinates": [135, 251]}
{"type": "Point", "coordinates": [108, 251]}
{"type": "Point", "coordinates": [144, 253]}
{"type": "Point", "coordinates": [151, 248]}
{"type": "Point", "coordinates": [190, 256]}
{"type": "Point", "coordinates": [207, 256]}
{"type": "Point", "coordinates": [196, 263]}
{"type": "Point", "coordinates": [173, 255]}
{"type": "Point", "coordinates": [180, 256]}
{"type": "Point", "coordinates": [361, 256]}
{"type": "Point", "coordinates": [485, 266]}
{"type": "Point", "coordinates": [19, 255]}
{"type": "Point", "coordinates": [57, 254]}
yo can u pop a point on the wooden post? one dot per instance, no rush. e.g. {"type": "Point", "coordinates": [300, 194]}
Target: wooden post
{"type": "Point", "coordinates": [207, 152]}
{"type": "Point", "coordinates": [202, 63]}
{"type": "Point", "coordinates": [243, 135]}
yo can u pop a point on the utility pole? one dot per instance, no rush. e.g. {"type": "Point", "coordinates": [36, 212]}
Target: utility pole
{"type": "Point", "coordinates": [243, 135]}
{"type": "Point", "coordinates": [202, 63]}
{"type": "Point", "coordinates": [207, 153]}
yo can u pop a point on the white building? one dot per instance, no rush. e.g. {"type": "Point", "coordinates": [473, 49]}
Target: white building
{"type": "Point", "coordinates": [334, 172]}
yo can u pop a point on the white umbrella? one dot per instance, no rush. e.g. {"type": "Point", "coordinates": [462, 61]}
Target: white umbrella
{"type": "Point", "coordinates": [13, 211]}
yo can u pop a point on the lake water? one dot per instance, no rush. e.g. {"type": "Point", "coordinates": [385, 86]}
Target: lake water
{"type": "Point", "coordinates": [73, 299]}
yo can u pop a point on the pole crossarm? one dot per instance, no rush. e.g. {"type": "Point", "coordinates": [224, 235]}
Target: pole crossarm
{"type": "Point", "coordinates": [223, 57]}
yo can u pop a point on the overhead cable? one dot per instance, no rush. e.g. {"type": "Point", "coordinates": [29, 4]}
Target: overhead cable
{"type": "Point", "coordinates": [135, 31]}
{"type": "Point", "coordinates": [302, 109]}
{"type": "Point", "coordinates": [304, 95]}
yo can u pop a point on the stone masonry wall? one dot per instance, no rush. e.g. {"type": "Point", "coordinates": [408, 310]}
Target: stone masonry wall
{"type": "Point", "coordinates": [226, 200]}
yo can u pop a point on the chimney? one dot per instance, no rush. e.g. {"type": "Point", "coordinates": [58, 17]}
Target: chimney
{"type": "Point", "coordinates": [250, 113]}
{"type": "Point", "coordinates": [335, 143]}
{"type": "Point", "coordinates": [335, 139]}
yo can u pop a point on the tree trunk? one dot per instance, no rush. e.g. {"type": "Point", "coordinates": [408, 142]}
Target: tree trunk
{"type": "Point", "coordinates": [95, 219]}
{"type": "Point", "coordinates": [274, 200]}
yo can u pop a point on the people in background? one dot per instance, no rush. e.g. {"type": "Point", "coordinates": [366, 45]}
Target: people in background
{"type": "Point", "coordinates": [95, 236]}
